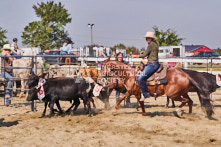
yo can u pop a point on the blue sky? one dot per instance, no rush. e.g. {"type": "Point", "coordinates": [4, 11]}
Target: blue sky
{"type": "Point", "coordinates": [124, 21]}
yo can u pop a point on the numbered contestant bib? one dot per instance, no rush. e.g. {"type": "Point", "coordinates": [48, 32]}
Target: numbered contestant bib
{"type": "Point", "coordinates": [41, 92]}
{"type": "Point", "coordinates": [97, 90]}
{"type": "Point", "coordinates": [218, 80]}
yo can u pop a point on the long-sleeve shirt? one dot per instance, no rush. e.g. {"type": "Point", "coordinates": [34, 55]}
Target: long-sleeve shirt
{"type": "Point", "coordinates": [66, 48]}
{"type": "Point", "coordinates": [14, 47]}
{"type": "Point", "coordinates": [151, 51]}
{"type": "Point", "coordinates": [7, 63]}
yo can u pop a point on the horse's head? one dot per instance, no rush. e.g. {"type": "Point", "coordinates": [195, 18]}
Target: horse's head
{"type": "Point", "coordinates": [104, 72]}
{"type": "Point", "coordinates": [141, 66]}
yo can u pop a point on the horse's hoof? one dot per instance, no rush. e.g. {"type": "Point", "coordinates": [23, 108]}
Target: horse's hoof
{"type": "Point", "coordinates": [179, 112]}
{"type": "Point", "coordinates": [60, 113]}
{"type": "Point", "coordinates": [143, 114]}
{"type": "Point", "coordinates": [114, 112]}
{"type": "Point", "coordinates": [72, 113]}
{"type": "Point", "coordinates": [43, 115]}
{"type": "Point", "coordinates": [67, 112]}
{"type": "Point", "coordinates": [166, 106]}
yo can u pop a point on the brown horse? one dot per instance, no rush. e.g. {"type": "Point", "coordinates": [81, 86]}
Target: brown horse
{"type": "Point", "coordinates": [176, 88]}
{"type": "Point", "coordinates": [66, 60]}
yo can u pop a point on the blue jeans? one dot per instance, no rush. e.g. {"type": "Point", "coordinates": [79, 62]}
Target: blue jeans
{"type": "Point", "coordinates": [16, 54]}
{"type": "Point", "coordinates": [8, 92]}
{"type": "Point", "coordinates": [63, 52]}
{"type": "Point", "coordinates": [151, 68]}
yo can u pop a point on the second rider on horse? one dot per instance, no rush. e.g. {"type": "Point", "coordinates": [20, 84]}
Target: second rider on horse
{"type": "Point", "coordinates": [66, 49]}
{"type": "Point", "coordinates": [151, 67]}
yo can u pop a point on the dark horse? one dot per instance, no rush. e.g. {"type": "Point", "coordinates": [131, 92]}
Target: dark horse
{"type": "Point", "coordinates": [207, 82]}
{"type": "Point", "coordinates": [176, 88]}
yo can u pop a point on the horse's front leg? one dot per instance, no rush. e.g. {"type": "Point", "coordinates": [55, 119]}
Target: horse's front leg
{"type": "Point", "coordinates": [126, 95]}
{"type": "Point", "coordinates": [141, 104]}
{"type": "Point", "coordinates": [168, 101]}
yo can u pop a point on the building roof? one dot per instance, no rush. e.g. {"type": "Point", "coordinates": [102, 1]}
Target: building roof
{"type": "Point", "coordinates": [189, 48]}
{"type": "Point", "coordinates": [203, 48]}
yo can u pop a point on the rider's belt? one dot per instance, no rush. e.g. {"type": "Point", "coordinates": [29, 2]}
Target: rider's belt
{"type": "Point", "coordinates": [152, 61]}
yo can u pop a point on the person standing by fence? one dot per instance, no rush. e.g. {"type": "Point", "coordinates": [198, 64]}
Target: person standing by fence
{"type": "Point", "coordinates": [6, 71]}
{"type": "Point", "coordinates": [172, 64]}
{"type": "Point", "coordinates": [119, 58]}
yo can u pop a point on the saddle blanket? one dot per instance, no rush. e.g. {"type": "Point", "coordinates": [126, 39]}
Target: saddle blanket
{"type": "Point", "coordinates": [158, 78]}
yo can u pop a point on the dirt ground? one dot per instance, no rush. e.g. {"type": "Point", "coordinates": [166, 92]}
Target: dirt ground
{"type": "Point", "coordinates": [160, 126]}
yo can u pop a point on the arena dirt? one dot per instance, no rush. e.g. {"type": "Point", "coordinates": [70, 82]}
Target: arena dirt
{"type": "Point", "coordinates": [160, 126]}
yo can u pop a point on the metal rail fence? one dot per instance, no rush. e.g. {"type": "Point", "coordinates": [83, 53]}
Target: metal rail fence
{"type": "Point", "coordinates": [210, 65]}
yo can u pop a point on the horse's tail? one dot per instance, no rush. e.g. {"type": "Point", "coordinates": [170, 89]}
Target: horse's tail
{"type": "Point", "coordinates": [205, 101]}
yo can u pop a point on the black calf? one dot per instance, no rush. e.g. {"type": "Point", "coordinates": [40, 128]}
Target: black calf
{"type": "Point", "coordinates": [63, 89]}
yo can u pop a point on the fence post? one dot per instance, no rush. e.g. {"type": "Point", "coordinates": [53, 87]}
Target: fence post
{"type": "Point", "coordinates": [82, 61]}
{"type": "Point", "coordinates": [35, 62]}
{"type": "Point", "coordinates": [32, 70]}
{"type": "Point", "coordinates": [4, 80]}
{"type": "Point", "coordinates": [207, 68]}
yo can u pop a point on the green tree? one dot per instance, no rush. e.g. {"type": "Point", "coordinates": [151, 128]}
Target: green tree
{"type": "Point", "coordinates": [167, 38]}
{"type": "Point", "coordinates": [2, 37]}
{"type": "Point", "coordinates": [121, 46]}
{"type": "Point", "coordinates": [218, 50]}
{"type": "Point", "coordinates": [132, 49]}
{"type": "Point", "coordinates": [49, 32]}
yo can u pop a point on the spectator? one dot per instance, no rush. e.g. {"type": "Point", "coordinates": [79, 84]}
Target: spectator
{"type": "Point", "coordinates": [14, 48]}
{"type": "Point", "coordinates": [113, 54]}
{"type": "Point", "coordinates": [119, 57]}
{"type": "Point", "coordinates": [66, 49]}
{"type": "Point", "coordinates": [6, 71]}
{"type": "Point", "coordinates": [105, 53]}
{"type": "Point", "coordinates": [172, 64]}
{"type": "Point", "coordinates": [101, 55]}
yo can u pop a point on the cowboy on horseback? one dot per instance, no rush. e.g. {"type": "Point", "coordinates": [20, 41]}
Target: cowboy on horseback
{"type": "Point", "coordinates": [152, 65]}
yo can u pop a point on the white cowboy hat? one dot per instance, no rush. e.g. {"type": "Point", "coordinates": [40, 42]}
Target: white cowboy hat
{"type": "Point", "coordinates": [6, 47]}
{"type": "Point", "coordinates": [150, 35]}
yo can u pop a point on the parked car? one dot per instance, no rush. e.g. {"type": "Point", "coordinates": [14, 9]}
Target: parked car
{"type": "Point", "coordinates": [207, 54]}
{"type": "Point", "coordinates": [52, 60]}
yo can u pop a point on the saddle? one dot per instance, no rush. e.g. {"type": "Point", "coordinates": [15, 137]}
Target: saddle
{"type": "Point", "coordinates": [159, 77]}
